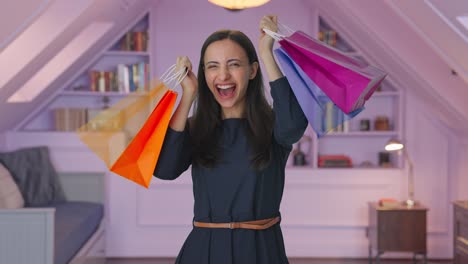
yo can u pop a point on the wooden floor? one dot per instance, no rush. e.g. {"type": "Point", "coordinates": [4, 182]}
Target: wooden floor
{"type": "Point", "coordinates": [291, 261]}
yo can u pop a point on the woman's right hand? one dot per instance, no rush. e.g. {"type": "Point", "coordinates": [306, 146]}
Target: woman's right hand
{"type": "Point", "coordinates": [189, 83]}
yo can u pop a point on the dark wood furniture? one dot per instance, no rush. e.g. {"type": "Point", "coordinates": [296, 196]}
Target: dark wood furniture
{"type": "Point", "coordinates": [400, 228]}
{"type": "Point", "coordinates": [460, 232]}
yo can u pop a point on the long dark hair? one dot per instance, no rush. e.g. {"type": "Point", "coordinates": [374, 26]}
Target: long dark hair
{"type": "Point", "coordinates": [205, 126]}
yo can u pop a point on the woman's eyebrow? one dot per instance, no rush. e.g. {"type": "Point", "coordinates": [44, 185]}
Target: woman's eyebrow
{"type": "Point", "coordinates": [231, 60]}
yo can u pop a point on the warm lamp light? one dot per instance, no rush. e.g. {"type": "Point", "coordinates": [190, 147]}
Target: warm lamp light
{"type": "Point", "coordinates": [238, 4]}
{"type": "Point", "coordinates": [396, 145]}
{"type": "Point", "coordinates": [393, 145]}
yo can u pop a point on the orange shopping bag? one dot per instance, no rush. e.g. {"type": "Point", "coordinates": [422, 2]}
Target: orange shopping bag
{"type": "Point", "coordinates": [128, 136]}
{"type": "Point", "coordinates": [108, 131]}
{"type": "Point", "coordinates": [138, 160]}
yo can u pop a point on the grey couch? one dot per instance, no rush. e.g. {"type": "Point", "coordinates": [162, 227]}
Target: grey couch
{"type": "Point", "coordinates": [51, 228]}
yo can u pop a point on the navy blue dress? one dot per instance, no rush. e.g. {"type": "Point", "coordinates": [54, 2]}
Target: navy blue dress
{"type": "Point", "coordinates": [233, 192]}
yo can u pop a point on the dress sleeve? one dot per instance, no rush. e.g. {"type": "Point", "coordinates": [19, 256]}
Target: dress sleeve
{"type": "Point", "coordinates": [290, 121]}
{"type": "Point", "coordinates": [175, 156]}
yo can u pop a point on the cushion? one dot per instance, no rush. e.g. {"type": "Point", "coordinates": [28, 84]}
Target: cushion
{"type": "Point", "coordinates": [75, 223]}
{"type": "Point", "coordinates": [35, 175]}
{"type": "Point", "coordinates": [10, 195]}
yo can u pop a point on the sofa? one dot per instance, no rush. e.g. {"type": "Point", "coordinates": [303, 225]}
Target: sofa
{"type": "Point", "coordinates": [38, 223]}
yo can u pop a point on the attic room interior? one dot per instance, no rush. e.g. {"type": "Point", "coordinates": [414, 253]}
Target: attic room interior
{"type": "Point", "coordinates": [343, 196]}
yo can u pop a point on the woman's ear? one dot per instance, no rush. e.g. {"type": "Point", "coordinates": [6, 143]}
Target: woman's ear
{"type": "Point", "coordinates": [254, 70]}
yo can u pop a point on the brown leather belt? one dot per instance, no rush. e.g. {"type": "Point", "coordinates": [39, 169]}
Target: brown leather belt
{"type": "Point", "coordinates": [256, 225]}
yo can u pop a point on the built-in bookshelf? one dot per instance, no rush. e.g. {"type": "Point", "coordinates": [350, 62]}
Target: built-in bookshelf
{"type": "Point", "coordinates": [361, 140]}
{"type": "Point", "coordinates": [122, 69]}
{"type": "Point", "coordinates": [102, 85]}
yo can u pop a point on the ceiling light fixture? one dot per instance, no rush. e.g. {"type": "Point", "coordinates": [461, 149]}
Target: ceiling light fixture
{"type": "Point", "coordinates": [235, 5]}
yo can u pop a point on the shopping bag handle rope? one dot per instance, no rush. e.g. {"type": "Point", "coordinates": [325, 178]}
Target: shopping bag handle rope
{"type": "Point", "coordinates": [285, 29]}
{"type": "Point", "coordinates": [170, 76]}
{"type": "Point", "coordinates": [169, 70]}
{"type": "Point", "coordinates": [276, 35]}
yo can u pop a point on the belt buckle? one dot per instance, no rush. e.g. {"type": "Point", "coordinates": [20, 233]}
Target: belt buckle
{"type": "Point", "coordinates": [231, 225]}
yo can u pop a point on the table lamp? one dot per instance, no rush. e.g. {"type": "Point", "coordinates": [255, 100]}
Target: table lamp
{"type": "Point", "coordinates": [396, 145]}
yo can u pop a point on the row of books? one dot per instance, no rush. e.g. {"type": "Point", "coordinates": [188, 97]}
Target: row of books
{"type": "Point", "coordinates": [334, 119]}
{"type": "Point", "coordinates": [328, 36]}
{"type": "Point", "coordinates": [126, 79]}
{"type": "Point", "coordinates": [72, 119]}
{"type": "Point", "coordinates": [134, 41]}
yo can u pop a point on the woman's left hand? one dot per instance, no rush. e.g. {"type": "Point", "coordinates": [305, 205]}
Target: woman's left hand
{"type": "Point", "coordinates": [266, 42]}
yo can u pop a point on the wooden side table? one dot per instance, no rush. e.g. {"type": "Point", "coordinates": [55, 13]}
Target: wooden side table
{"type": "Point", "coordinates": [400, 228]}
{"type": "Point", "coordinates": [460, 232]}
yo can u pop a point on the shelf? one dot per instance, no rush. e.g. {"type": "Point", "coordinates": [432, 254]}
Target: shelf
{"type": "Point", "coordinates": [116, 70]}
{"type": "Point", "coordinates": [385, 93]}
{"type": "Point", "coordinates": [349, 53]}
{"type": "Point", "coordinates": [363, 169]}
{"type": "Point", "coordinates": [88, 93]}
{"type": "Point", "coordinates": [344, 178]}
{"type": "Point", "coordinates": [361, 134]}
{"type": "Point", "coordinates": [126, 53]}
{"type": "Point", "coordinates": [299, 169]}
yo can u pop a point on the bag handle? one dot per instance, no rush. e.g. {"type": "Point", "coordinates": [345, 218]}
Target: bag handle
{"type": "Point", "coordinates": [170, 76]}
{"type": "Point", "coordinates": [285, 29]}
{"type": "Point", "coordinates": [281, 28]}
{"type": "Point", "coordinates": [276, 36]}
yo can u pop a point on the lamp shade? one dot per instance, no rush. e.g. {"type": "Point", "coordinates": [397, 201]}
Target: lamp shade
{"type": "Point", "coordinates": [394, 144]}
{"type": "Point", "coordinates": [238, 4]}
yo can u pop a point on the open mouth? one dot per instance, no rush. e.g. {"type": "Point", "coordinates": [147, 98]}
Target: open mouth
{"type": "Point", "coordinates": [226, 91]}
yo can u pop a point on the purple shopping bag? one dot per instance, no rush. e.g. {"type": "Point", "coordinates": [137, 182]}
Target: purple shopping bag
{"type": "Point", "coordinates": [321, 113]}
{"type": "Point", "coordinates": [347, 81]}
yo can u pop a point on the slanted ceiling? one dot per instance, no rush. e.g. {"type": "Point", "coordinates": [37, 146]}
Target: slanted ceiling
{"type": "Point", "coordinates": [118, 13]}
{"type": "Point", "coordinates": [13, 23]}
{"type": "Point", "coordinates": [409, 39]}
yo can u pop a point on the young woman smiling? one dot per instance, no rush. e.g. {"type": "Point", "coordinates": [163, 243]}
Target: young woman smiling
{"type": "Point", "coordinates": [237, 145]}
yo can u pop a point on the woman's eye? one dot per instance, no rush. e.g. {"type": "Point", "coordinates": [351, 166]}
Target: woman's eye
{"type": "Point", "coordinates": [234, 65]}
{"type": "Point", "coordinates": [211, 67]}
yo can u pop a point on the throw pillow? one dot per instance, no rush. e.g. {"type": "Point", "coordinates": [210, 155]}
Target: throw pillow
{"type": "Point", "coordinates": [10, 195]}
{"type": "Point", "coordinates": [35, 175]}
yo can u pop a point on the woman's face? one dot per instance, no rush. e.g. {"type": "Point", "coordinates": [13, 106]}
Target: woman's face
{"type": "Point", "coordinates": [227, 73]}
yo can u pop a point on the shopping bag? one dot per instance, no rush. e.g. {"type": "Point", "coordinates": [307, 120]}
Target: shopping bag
{"type": "Point", "coordinates": [138, 161]}
{"type": "Point", "coordinates": [322, 114]}
{"type": "Point", "coordinates": [107, 131]}
{"type": "Point", "coordinates": [348, 82]}
{"type": "Point", "coordinates": [128, 135]}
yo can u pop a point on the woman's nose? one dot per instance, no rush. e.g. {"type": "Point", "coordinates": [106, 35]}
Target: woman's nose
{"type": "Point", "coordinates": [224, 73]}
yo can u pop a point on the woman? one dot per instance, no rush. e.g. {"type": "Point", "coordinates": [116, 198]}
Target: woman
{"type": "Point", "coordinates": [238, 147]}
